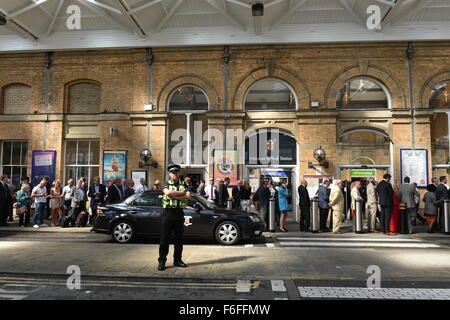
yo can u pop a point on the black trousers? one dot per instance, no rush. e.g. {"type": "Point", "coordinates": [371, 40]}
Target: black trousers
{"type": "Point", "coordinates": [4, 211]}
{"type": "Point", "coordinates": [67, 204]}
{"type": "Point", "coordinates": [305, 218]}
{"type": "Point", "coordinates": [323, 218]}
{"type": "Point", "coordinates": [172, 220]}
{"type": "Point", "coordinates": [385, 219]}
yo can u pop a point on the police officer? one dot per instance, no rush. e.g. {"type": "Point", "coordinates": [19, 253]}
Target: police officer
{"type": "Point", "coordinates": [176, 197]}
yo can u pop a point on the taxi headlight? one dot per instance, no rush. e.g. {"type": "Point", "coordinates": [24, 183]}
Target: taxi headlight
{"type": "Point", "coordinates": [255, 218]}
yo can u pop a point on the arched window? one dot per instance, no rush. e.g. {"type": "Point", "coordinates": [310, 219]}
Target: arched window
{"type": "Point", "coordinates": [187, 124]}
{"type": "Point", "coordinates": [440, 103]}
{"type": "Point", "coordinates": [270, 94]}
{"type": "Point", "coordinates": [188, 97]}
{"type": "Point", "coordinates": [440, 96]}
{"type": "Point", "coordinates": [363, 93]}
{"type": "Point", "coordinates": [84, 97]}
{"type": "Point", "coordinates": [15, 99]}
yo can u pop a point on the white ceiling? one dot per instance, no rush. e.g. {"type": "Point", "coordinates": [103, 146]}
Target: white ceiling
{"type": "Point", "coordinates": [41, 24]}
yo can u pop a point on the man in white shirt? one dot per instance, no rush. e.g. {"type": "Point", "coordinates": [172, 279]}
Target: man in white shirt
{"type": "Point", "coordinates": [210, 190]}
{"type": "Point", "coordinates": [39, 194]}
{"type": "Point", "coordinates": [67, 194]}
{"type": "Point", "coordinates": [142, 187]}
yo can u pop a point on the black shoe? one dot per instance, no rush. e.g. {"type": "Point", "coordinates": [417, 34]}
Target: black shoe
{"type": "Point", "coordinates": [180, 264]}
{"type": "Point", "coordinates": [161, 266]}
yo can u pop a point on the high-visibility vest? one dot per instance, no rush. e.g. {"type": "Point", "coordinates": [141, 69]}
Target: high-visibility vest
{"type": "Point", "coordinates": [173, 203]}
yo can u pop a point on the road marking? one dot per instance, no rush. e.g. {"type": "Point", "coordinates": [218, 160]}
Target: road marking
{"type": "Point", "coordinates": [359, 245]}
{"type": "Point", "coordinates": [12, 296]}
{"type": "Point", "coordinates": [127, 284]}
{"type": "Point", "coordinates": [270, 245]}
{"type": "Point", "coordinates": [383, 293]}
{"type": "Point", "coordinates": [243, 286]}
{"type": "Point", "coordinates": [278, 286]}
{"type": "Point", "coordinates": [248, 245]}
{"type": "Point", "coordinates": [281, 299]}
{"type": "Point", "coordinates": [351, 239]}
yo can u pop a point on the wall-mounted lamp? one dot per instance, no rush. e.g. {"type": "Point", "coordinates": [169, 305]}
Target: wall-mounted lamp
{"type": "Point", "coordinates": [320, 155]}
{"type": "Point", "coordinates": [146, 155]}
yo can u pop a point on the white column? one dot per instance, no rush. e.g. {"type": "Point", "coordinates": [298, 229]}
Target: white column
{"type": "Point", "coordinates": [448, 126]}
{"type": "Point", "coordinates": [188, 139]}
{"type": "Point", "coordinates": [391, 154]}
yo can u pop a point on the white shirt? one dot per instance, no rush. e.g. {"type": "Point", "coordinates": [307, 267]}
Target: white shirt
{"type": "Point", "coordinates": [40, 190]}
{"type": "Point", "coordinates": [67, 193]}
{"type": "Point", "coordinates": [209, 189]}
{"type": "Point", "coordinates": [141, 188]}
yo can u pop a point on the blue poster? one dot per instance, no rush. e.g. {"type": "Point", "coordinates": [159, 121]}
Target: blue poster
{"type": "Point", "coordinates": [114, 165]}
{"type": "Point", "coordinates": [43, 165]}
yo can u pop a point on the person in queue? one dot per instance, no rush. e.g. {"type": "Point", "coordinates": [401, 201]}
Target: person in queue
{"type": "Point", "coordinates": [304, 202]}
{"type": "Point", "coordinates": [337, 204]}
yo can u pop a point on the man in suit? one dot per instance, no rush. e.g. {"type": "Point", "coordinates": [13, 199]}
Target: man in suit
{"type": "Point", "coordinates": [236, 193]}
{"type": "Point", "coordinates": [304, 202]}
{"type": "Point", "coordinates": [126, 190]}
{"type": "Point", "coordinates": [406, 195]}
{"type": "Point", "coordinates": [5, 200]}
{"type": "Point", "coordinates": [385, 199]}
{"type": "Point", "coordinates": [262, 195]}
{"type": "Point", "coordinates": [115, 193]}
{"type": "Point", "coordinates": [97, 194]}
{"type": "Point", "coordinates": [441, 195]}
{"type": "Point", "coordinates": [337, 204]}
{"type": "Point", "coordinates": [372, 204]}
{"type": "Point", "coordinates": [324, 208]}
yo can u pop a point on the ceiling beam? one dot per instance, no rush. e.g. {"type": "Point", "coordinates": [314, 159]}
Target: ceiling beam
{"type": "Point", "coordinates": [106, 15]}
{"type": "Point", "coordinates": [412, 10]}
{"type": "Point", "coordinates": [352, 12]}
{"type": "Point", "coordinates": [274, 2]}
{"type": "Point", "coordinates": [240, 3]}
{"type": "Point", "coordinates": [145, 5]}
{"type": "Point", "coordinates": [55, 17]}
{"type": "Point", "coordinates": [17, 28]}
{"type": "Point", "coordinates": [125, 10]}
{"type": "Point", "coordinates": [27, 8]}
{"type": "Point", "coordinates": [279, 21]}
{"type": "Point", "coordinates": [168, 15]}
{"type": "Point", "coordinates": [391, 14]}
{"type": "Point", "coordinates": [387, 2]}
{"type": "Point", "coordinates": [225, 13]}
{"type": "Point", "coordinates": [105, 6]}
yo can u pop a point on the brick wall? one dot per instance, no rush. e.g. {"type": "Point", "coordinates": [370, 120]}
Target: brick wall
{"type": "Point", "coordinates": [314, 72]}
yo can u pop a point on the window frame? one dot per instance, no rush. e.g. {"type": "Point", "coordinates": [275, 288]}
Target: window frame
{"type": "Point", "coordinates": [376, 81]}
{"type": "Point", "coordinates": [11, 165]}
{"type": "Point", "coordinates": [272, 110]}
{"type": "Point", "coordinates": [89, 178]}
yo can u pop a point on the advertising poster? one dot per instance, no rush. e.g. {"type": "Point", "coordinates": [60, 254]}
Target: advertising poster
{"type": "Point", "coordinates": [314, 182]}
{"type": "Point", "coordinates": [114, 165]}
{"type": "Point", "coordinates": [225, 165]}
{"type": "Point", "coordinates": [43, 165]}
{"type": "Point", "coordinates": [414, 164]}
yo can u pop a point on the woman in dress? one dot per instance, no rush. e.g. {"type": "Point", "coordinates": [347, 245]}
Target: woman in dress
{"type": "Point", "coordinates": [56, 202]}
{"type": "Point", "coordinates": [283, 193]}
{"type": "Point", "coordinates": [395, 220]}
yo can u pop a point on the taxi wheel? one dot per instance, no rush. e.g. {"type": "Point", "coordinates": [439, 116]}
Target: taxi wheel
{"type": "Point", "coordinates": [228, 233]}
{"type": "Point", "coordinates": [123, 232]}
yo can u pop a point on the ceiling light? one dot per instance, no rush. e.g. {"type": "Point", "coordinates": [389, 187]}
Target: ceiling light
{"type": "Point", "coordinates": [258, 9]}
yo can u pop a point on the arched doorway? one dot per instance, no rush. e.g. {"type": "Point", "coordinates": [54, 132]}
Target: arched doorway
{"type": "Point", "coordinates": [364, 153]}
{"type": "Point", "coordinates": [272, 153]}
